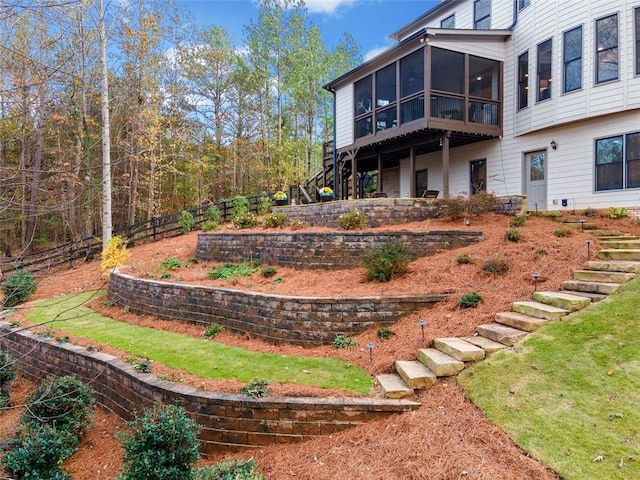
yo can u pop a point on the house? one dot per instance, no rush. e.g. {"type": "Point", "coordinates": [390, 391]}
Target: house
{"type": "Point", "coordinates": [534, 97]}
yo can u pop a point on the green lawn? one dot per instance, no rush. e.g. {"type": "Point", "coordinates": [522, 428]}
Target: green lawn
{"type": "Point", "coordinates": [569, 395]}
{"type": "Point", "coordinates": [204, 358]}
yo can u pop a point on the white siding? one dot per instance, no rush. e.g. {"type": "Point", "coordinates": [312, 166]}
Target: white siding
{"type": "Point", "coordinates": [344, 116]}
{"type": "Point", "coordinates": [493, 49]}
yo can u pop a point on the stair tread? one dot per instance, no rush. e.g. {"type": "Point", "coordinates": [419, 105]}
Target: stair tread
{"type": "Point", "coordinates": [590, 286]}
{"type": "Point", "coordinates": [488, 345]}
{"type": "Point", "coordinates": [393, 386]}
{"type": "Point", "coordinates": [613, 266]}
{"type": "Point", "coordinates": [440, 363]}
{"type": "Point", "coordinates": [520, 321]}
{"type": "Point", "coordinates": [595, 297]}
{"type": "Point", "coordinates": [501, 333]}
{"type": "Point", "coordinates": [415, 374]}
{"type": "Point", "coordinates": [459, 349]}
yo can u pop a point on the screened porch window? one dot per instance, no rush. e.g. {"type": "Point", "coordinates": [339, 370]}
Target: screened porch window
{"type": "Point", "coordinates": [386, 116]}
{"type": "Point", "coordinates": [412, 86]}
{"type": "Point", "coordinates": [484, 84]}
{"type": "Point", "coordinates": [607, 49]}
{"type": "Point", "coordinates": [363, 107]}
{"type": "Point", "coordinates": [447, 76]}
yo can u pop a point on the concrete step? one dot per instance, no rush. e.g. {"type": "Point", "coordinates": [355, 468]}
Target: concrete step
{"type": "Point", "coordinates": [606, 233]}
{"type": "Point", "coordinates": [594, 297]}
{"type": "Point", "coordinates": [540, 310]}
{"type": "Point", "coordinates": [590, 287]}
{"type": "Point", "coordinates": [613, 266]}
{"type": "Point", "coordinates": [621, 243]}
{"type": "Point", "coordinates": [489, 346]}
{"type": "Point", "coordinates": [415, 374]}
{"type": "Point", "coordinates": [605, 238]}
{"type": "Point", "coordinates": [393, 386]}
{"type": "Point", "coordinates": [581, 226]}
{"type": "Point", "coordinates": [459, 349]}
{"type": "Point", "coordinates": [562, 300]}
{"type": "Point", "coordinates": [602, 277]}
{"type": "Point", "coordinates": [501, 333]}
{"type": "Point", "coordinates": [439, 363]}
{"type": "Point", "coordinates": [619, 254]}
{"type": "Point", "coordinates": [520, 321]}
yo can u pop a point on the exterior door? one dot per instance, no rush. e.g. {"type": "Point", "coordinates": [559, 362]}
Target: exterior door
{"type": "Point", "coordinates": [536, 180]}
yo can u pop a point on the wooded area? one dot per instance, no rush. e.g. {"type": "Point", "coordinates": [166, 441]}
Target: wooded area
{"type": "Point", "coordinates": [194, 117]}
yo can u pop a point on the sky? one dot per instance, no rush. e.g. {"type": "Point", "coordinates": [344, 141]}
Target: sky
{"type": "Point", "coordinates": [368, 21]}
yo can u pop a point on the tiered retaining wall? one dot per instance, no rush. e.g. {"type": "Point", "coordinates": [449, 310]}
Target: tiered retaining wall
{"type": "Point", "coordinates": [387, 211]}
{"type": "Point", "coordinates": [229, 421]}
{"type": "Point", "coordinates": [305, 321]}
{"type": "Point", "coordinates": [322, 250]}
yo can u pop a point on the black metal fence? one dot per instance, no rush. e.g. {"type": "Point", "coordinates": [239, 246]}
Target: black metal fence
{"type": "Point", "coordinates": [88, 248]}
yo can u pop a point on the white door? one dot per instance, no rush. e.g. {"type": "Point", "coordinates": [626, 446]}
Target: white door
{"type": "Point", "coordinates": [391, 182]}
{"type": "Point", "coordinates": [536, 180]}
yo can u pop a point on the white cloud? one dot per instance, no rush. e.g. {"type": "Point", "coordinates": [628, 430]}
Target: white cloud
{"type": "Point", "coordinates": [326, 6]}
{"type": "Point", "coordinates": [374, 52]}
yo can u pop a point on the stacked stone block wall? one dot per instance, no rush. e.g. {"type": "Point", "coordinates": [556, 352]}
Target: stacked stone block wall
{"type": "Point", "coordinates": [229, 421]}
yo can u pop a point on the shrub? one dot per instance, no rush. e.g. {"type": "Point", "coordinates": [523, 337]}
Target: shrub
{"type": "Point", "coordinates": [264, 206]}
{"type": "Point", "coordinates": [297, 224]}
{"type": "Point", "coordinates": [590, 212]}
{"type": "Point", "coordinates": [616, 213]}
{"type": "Point", "coordinates": [464, 259]}
{"type": "Point", "coordinates": [141, 365]}
{"type": "Point", "coordinates": [540, 251]}
{"type": "Point", "coordinates": [518, 221]}
{"type": "Point", "coordinates": [231, 270]}
{"type": "Point", "coordinates": [245, 220]}
{"type": "Point", "coordinates": [8, 369]}
{"type": "Point", "coordinates": [231, 470]}
{"type": "Point", "coordinates": [239, 205]}
{"type": "Point", "coordinates": [469, 300]}
{"type": "Point", "coordinates": [344, 341]}
{"type": "Point", "coordinates": [210, 226]}
{"type": "Point", "coordinates": [213, 330]}
{"type": "Point", "coordinates": [18, 288]}
{"type": "Point", "coordinates": [353, 220]}
{"type": "Point", "coordinates": [512, 235]}
{"type": "Point", "coordinates": [213, 214]}
{"type": "Point", "coordinates": [268, 272]}
{"type": "Point", "coordinates": [186, 221]}
{"type": "Point", "coordinates": [275, 220]}
{"type": "Point", "coordinates": [561, 232]}
{"type": "Point", "coordinates": [115, 254]}
{"type": "Point", "coordinates": [496, 266]}
{"type": "Point", "coordinates": [162, 445]}
{"type": "Point", "coordinates": [170, 263]}
{"type": "Point", "coordinates": [386, 262]}
{"type": "Point", "coordinates": [63, 402]}
{"type": "Point", "coordinates": [257, 389]}
{"type": "Point", "coordinates": [481, 202]}
{"type": "Point", "coordinates": [455, 208]}
{"type": "Point", "coordinates": [384, 333]}
{"type": "Point", "coordinates": [38, 453]}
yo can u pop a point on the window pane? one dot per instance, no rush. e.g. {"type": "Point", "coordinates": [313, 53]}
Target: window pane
{"type": "Point", "coordinates": [637, 30]}
{"type": "Point", "coordinates": [484, 78]}
{"type": "Point", "coordinates": [607, 49]}
{"type": "Point", "coordinates": [386, 86]}
{"type": "Point", "coordinates": [449, 22]}
{"type": "Point", "coordinates": [609, 163]}
{"type": "Point", "coordinates": [447, 71]}
{"type": "Point", "coordinates": [412, 73]}
{"type": "Point", "coordinates": [544, 70]}
{"type": "Point", "coordinates": [523, 80]}
{"type": "Point", "coordinates": [523, 3]}
{"type": "Point", "coordinates": [478, 176]}
{"type": "Point", "coordinates": [573, 60]}
{"type": "Point", "coordinates": [412, 109]}
{"type": "Point", "coordinates": [633, 160]}
{"type": "Point", "coordinates": [364, 127]}
{"type": "Point", "coordinates": [536, 166]}
{"type": "Point", "coordinates": [363, 96]}
{"type": "Point", "coordinates": [386, 118]}
{"type": "Point", "coordinates": [482, 14]}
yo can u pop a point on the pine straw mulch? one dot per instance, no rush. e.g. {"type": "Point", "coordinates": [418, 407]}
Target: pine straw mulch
{"type": "Point", "coordinates": [447, 437]}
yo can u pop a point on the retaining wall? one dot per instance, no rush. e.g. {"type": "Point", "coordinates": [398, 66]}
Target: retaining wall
{"type": "Point", "coordinates": [305, 321]}
{"type": "Point", "coordinates": [229, 421]}
{"type": "Point", "coordinates": [322, 250]}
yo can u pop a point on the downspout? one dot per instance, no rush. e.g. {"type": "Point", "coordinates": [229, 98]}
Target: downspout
{"type": "Point", "coordinates": [334, 154]}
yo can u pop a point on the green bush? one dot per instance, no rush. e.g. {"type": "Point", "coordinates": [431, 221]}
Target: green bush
{"type": "Point", "coordinates": [518, 221]}
{"type": "Point", "coordinates": [38, 453]}
{"type": "Point", "coordinates": [464, 259]}
{"type": "Point", "coordinates": [213, 330]}
{"type": "Point", "coordinates": [297, 224]}
{"type": "Point", "coordinates": [512, 235]}
{"type": "Point", "coordinates": [561, 232]}
{"type": "Point", "coordinates": [353, 220]}
{"type": "Point", "coordinates": [275, 220]}
{"type": "Point", "coordinates": [230, 470]}
{"type": "Point", "coordinates": [616, 213]}
{"type": "Point", "coordinates": [213, 214]}
{"type": "Point", "coordinates": [481, 202]}
{"type": "Point", "coordinates": [141, 365]}
{"type": "Point", "coordinates": [384, 333]}
{"type": "Point", "coordinates": [162, 445]}
{"type": "Point", "coordinates": [590, 212]}
{"type": "Point", "coordinates": [245, 220]}
{"type": "Point", "coordinates": [186, 221]}
{"type": "Point", "coordinates": [170, 263]}
{"type": "Point", "coordinates": [239, 205]}
{"type": "Point", "coordinates": [265, 205]}
{"type": "Point", "coordinates": [496, 266]}
{"type": "Point", "coordinates": [256, 389]}
{"type": "Point", "coordinates": [18, 288]}
{"type": "Point", "coordinates": [344, 341]}
{"type": "Point", "coordinates": [268, 272]}
{"type": "Point", "coordinates": [210, 226]}
{"type": "Point", "coordinates": [469, 300]}
{"type": "Point", "coordinates": [386, 262]}
{"type": "Point", "coordinates": [63, 402]}
{"type": "Point", "coordinates": [454, 208]}
{"type": "Point", "coordinates": [8, 369]}
{"type": "Point", "coordinates": [230, 270]}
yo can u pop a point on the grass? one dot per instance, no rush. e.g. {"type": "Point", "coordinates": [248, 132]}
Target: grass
{"type": "Point", "coordinates": [569, 394]}
{"type": "Point", "coordinates": [187, 353]}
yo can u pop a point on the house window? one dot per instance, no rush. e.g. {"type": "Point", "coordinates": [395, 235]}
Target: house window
{"type": "Point", "coordinates": [523, 3]}
{"type": "Point", "coordinates": [482, 14]}
{"type": "Point", "coordinates": [412, 86]}
{"type": "Point", "coordinates": [386, 109]}
{"type": "Point", "coordinates": [618, 162]}
{"type": "Point", "coordinates": [478, 176]}
{"type": "Point", "coordinates": [449, 22]}
{"type": "Point", "coordinates": [572, 60]}
{"type": "Point", "coordinates": [363, 107]}
{"type": "Point", "coordinates": [422, 182]}
{"type": "Point", "coordinates": [607, 49]}
{"type": "Point", "coordinates": [544, 70]}
{"type": "Point", "coordinates": [523, 80]}
{"type": "Point", "coordinates": [637, 30]}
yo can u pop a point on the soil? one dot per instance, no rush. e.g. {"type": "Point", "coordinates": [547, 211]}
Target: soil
{"type": "Point", "coordinates": [446, 438]}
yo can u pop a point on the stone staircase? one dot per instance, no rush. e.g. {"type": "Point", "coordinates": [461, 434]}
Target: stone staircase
{"type": "Point", "coordinates": [618, 261]}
